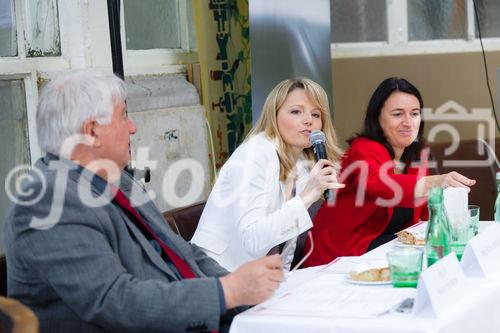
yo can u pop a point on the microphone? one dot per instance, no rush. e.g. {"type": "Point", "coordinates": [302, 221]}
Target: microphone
{"type": "Point", "coordinates": [317, 139]}
{"type": "Point", "coordinates": [139, 173]}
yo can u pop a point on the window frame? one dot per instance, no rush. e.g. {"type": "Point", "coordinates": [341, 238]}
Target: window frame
{"type": "Point", "coordinates": [397, 38]}
{"type": "Point", "coordinates": [159, 60]}
{"type": "Point", "coordinates": [30, 100]}
{"type": "Point", "coordinates": [84, 42]}
{"type": "Point", "coordinates": [29, 69]}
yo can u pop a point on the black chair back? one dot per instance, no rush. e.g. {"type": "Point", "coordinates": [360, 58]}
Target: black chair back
{"type": "Point", "coordinates": [3, 276]}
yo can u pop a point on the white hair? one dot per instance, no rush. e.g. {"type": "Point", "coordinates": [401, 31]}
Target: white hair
{"type": "Point", "coordinates": [71, 99]}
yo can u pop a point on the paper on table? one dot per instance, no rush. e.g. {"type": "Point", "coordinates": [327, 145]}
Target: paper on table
{"type": "Point", "coordinates": [456, 203]}
{"type": "Point", "coordinates": [325, 297]}
{"type": "Point", "coordinates": [344, 265]}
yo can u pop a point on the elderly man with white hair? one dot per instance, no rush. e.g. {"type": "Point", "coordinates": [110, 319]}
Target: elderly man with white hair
{"type": "Point", "coordinates": [88, 251]}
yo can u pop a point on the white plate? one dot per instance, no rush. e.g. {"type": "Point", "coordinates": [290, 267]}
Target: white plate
{"type": "Point", "coordinates": [399, 244]}
{"type": "Point", "coordinates": [367, 283]}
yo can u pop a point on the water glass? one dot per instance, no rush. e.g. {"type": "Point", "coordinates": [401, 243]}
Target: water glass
{"type": "Point", "coordinates": [474, 219]}
{"type": "Point", "coordinates": [460, 235]}
{"type": "Point", "coordinates": [462, 230]}
{"type": "Point", "coordinates": [405, 266]}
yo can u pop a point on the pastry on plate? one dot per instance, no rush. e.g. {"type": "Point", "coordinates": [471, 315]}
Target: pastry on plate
{"type": "Point", "coordinates": [409, 238]}
{"type": "Point", "coordinates": [371, 274]}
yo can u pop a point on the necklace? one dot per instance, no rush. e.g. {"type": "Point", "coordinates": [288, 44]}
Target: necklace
{"type": "Point", "coordinates": [399, 167]}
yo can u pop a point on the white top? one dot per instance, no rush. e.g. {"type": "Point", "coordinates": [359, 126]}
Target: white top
{"type": "Point", "coordinates": [246, 214]}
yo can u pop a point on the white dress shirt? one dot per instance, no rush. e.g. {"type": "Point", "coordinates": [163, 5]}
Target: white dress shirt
{"type": "Point", "coordinates": [246, 214]}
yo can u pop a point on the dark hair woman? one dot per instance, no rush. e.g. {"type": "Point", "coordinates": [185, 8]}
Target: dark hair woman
{"type": "Point", "coordinates": [384, 191]}
{"type": "Point", "coordinates": [372, 128]}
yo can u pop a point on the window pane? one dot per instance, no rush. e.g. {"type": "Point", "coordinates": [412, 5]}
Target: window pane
{"type": "Point", "coordinates": [8, 32]}
{"type": "Point", "coordinates": [369, 25]}
{"type": "Point", "coordinates": [192, 30]}
{"type": "Point", "coordinates": [151, 24]}
{"type": "Point", "coordinates": [488, 12]}
{"type": "Point", "coordinates": [13, 135]}
{"type": "Point", "coordinates": [42, 28]}
{"type": "Point", "coordinates": [441, 19]}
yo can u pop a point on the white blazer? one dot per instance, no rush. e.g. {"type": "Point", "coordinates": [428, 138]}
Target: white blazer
{"type": "Point", "coordinates": [246, 214]}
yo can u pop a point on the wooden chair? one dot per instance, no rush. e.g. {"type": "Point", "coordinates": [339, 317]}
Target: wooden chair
{"type": "Point", "coordinates": [16, 317]}
{"type": "Point", "coordinates": [184, 220]}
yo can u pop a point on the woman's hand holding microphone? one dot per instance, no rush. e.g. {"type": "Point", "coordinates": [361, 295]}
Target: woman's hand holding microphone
{"type": "Point", "coordinates": [321, 178]}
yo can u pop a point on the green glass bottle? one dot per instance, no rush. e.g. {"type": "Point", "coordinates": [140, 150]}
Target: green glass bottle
{"type": "Point", "coordinates": [438, 239]}
{"type": "Point", "coordinates": [497, 201]}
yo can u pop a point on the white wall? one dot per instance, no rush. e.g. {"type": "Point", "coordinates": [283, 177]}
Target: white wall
{"type": "Point", "coordinates": [173, 143]}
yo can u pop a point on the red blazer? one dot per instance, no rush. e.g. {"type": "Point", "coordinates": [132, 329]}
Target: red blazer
{"type": "Point", "coordinates": [345, 228]}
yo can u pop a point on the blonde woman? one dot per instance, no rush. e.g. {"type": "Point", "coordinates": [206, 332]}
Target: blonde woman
{"type": "Point", "coordinates": [262, 194]}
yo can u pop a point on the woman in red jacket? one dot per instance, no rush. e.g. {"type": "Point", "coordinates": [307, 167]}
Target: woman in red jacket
{"type": "Point", "coordinates": [386, 179]}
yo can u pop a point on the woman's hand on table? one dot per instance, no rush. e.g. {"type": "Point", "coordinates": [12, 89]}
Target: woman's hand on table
{"type": "Point", "coordinates": [450, 179]}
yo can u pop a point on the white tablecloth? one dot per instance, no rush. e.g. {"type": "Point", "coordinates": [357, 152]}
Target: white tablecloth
{"type": "Point", "coordinates": [478, 310]}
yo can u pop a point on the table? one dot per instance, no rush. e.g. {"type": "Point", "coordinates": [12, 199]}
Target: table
{"type": "Point", "coordinates": [478, 311]}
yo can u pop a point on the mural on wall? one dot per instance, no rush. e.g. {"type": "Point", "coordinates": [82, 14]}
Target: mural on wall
{"type": "Point", "coordinates": [222, 28]}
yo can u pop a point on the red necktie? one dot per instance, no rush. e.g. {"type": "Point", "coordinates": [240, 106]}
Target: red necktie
{"type": "Point", "coordinates": [183, 268]}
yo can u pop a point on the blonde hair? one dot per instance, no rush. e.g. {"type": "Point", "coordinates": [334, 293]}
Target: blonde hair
{"type": "Point", "coordinates": [267, 122]}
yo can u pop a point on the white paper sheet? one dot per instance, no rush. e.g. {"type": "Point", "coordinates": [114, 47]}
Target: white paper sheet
{"type": "Point", "coordinates": [341, 300]}
{"type": "Point", "coordinates": [344, 265]}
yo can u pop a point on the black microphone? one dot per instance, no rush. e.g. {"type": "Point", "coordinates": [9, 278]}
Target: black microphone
{"type": "Point", "coordinates": [139, 173]}
{"type": "Point", "coordinates": [317, 139]}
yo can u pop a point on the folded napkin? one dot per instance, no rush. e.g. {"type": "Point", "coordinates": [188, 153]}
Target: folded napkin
{"type": "Point", "coordinates": [456, 203]}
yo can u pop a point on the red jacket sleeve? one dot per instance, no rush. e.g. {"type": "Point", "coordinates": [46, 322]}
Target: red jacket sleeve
{"type": "Point", "coordinates": [372, 169]}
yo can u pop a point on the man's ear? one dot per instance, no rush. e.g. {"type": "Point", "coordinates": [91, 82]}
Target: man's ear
{"type": "Point", "coordinates": [91, 128]}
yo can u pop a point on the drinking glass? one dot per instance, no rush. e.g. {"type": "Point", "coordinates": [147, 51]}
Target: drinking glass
{"type": "Point", "coordinates": [405, 266]}
{"type": "Point", "coordinates": [461, 226]}
{"type": "Point", "coordinates": [474, 219]}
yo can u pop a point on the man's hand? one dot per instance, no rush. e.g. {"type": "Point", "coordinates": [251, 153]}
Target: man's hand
{"type": "Point", "coordinates": [253, 282]}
